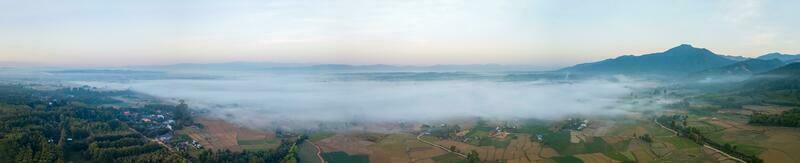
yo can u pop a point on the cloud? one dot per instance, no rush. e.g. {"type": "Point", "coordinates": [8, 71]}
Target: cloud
{"type": "Point", "coordinates": [305, 100]}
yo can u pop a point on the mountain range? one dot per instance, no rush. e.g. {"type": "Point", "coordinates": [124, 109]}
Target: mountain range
{"type": "Point", "coordinates": [780, 56]}
{"type": "Point", "coordinates": [747, 67]}
{"type": "Point", "coordinates": [685, 60]}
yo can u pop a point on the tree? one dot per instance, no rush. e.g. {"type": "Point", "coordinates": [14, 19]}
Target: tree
{"type": "Point", "coordinates": [182, 115]}
{"type": "Point", "coordinates": [473, 157]}
{"type": "Point", "coordinates": [291, 157]}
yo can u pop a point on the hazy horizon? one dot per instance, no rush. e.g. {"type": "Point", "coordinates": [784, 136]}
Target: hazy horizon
{"type": "Point", "coordinates": [548, 33]}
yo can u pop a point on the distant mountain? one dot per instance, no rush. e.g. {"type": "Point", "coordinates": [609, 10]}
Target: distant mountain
{"type": "Point", "coordinates": [680, 60]}
{"type": "Point", "coordinates": [780, 56]}
{"type": "Point", "coordinates": [222, 66]}
{"type": "Point", "coordinates": [790, 70]}
{"type": "Point", "coordinates": [783, 78]}
{"type": "Point", "coordinates": [270, 66]}
{"type": "Point", "coordinates": [735, 58]}
{"type": "Point", "coordinates": [747, 67]}
{"type": "Point", "coordinates": [780, 86]}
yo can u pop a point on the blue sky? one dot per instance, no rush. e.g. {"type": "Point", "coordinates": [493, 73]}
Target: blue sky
{"type": "Point", "coordinates": [543, 32]}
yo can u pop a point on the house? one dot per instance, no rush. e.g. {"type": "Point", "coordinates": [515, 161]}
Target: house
{"type": "Point", "coordinates": [146, 120]}
{"type": "Point", "coordinates": [165, 137]}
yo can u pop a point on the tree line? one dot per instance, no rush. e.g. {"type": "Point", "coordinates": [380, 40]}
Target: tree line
{"type": "Point", "coordinates": [678, 123]}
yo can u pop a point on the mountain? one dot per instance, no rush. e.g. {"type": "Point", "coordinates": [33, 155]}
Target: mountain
{"type": "Point", "coordinates": [735, 58]}
{"type": "Point", "coordinates": [271, 66]}
{"type": "Point", "coordinates": [780, 56]}
{"type": "Point", "coordinates": [222, 66]}
{"type": "Point", "coordinates": [783, 78]}
{"type": "Point", "coordinates": [680, 60]}
{"type": "Point", "coordinates": [790, 70]}
{"type": "Point", "coordinates": [747, 67]}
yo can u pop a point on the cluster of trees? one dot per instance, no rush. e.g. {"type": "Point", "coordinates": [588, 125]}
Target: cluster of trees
{"type": "Point", "coordinates": [59, 126]}
{"type": "Point", "coordinates": [445, 131]}
{"type": "Point", "coordinates": [646, 138]}
{"type": "Point", "coordinates": [68, 125]}
{"type": "Point", "coordinates": [789, 118]}
{"type": "Point", "coordinates": [473, 157]}
{"type": "Point", "coordinates": [285, 153]}
{"type": "Point", "coordinates": [678, 123]}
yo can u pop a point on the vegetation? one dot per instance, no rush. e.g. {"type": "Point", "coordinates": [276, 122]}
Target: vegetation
{"type": "Point", "coordinates": [678, 123]}
{"type": "Point", "coordinates": [473, 157]}
{"type": "Point", "coordinates": [449, 158]}
{"type": "Point", "coordinates": [72, 125]}
{"type": "Point", "coordinates": [789, 118]}
{"type": "Point", "coordinates": [341, 157]}
{"type": "Point", "coordinates": [567, 159]}
{"type": "Point", "coordinates": [62, 126]}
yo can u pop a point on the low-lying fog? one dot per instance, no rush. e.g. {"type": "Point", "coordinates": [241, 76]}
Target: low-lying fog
{"type": "Point", "coordinates": [263, 100]}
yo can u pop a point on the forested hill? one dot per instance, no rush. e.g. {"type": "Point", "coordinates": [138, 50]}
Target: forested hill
{"type": "Point", "coordinates": [680, 60]}
{"type": "Point", "coordinates": [743, 68]}
{"type": "Point", "coordinates": [77, 125]}
{"type": "Point", "coordinates": [784, 78]}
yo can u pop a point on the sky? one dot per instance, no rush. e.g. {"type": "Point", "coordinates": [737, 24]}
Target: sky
{"type": "Point", "coordinates": [404, 32]}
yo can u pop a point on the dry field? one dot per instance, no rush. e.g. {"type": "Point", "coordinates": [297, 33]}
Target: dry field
{"type": "Point", "coordinates": [391, 148]}
{"type": "Point", "coordinates": [218, 134]}
{"type": "Point", "coordinates": [596, 158]}
{"type": "Point", "coordinates": [766, 109]}
{"type": "Point", "coordinates": [777, 144]}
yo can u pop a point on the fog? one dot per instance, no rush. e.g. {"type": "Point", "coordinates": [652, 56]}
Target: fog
{"type": "Point", "coordinates": [303, 100]}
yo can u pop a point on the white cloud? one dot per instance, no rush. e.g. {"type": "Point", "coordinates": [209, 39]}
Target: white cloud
{"type": "Point", "coordinates": [304, 100]}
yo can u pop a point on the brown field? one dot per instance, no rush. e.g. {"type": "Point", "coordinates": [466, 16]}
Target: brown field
{"type": "Point", "coordinates": [389, 148]}
{"type": "Point", "coordinates": [520, 149]}
{"type": "Point", "coordinates": [250, 134]}
{"type": "Point", "coordinates": [346, 143]}
{"type": "Point", "coordinates": [766, 109]}
{"type": "Point", "coordinates": [781, 144]}
{"type": "Point", "coordinates": [548, 152]}
{"type": "Point", "coordinates": [772, 155]}
{"type": "Point", "coordinates": [395, 148]}
{"type": "Point", "coordinates": [613, 139]}
{"type": "Point", "coordinates": [717, 156]}
{"type": "Point", "coordinates": [426, 153]}
{"type": "Point", "coordinates": [596, 158]}
{"type": "Point", "coordinates": [464, 147]}
{"type": "Point", "coordinates": [486, 153]}
{"type": "Point", "coordinates": [217, 134]}
{"type": "Point", "coordinates": [642, 155]}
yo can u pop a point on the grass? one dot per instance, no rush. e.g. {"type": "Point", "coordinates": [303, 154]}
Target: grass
{"type": "Point", "coordinates": [618, 156]}
{"type": "Point", "coordinates": [559, 141]}
{"type": "Point", "coordinates": [449, 158]}
{"type": "Point", "coordinates": [254, 148]}
{"type": "Point", "coordinates": [307, 153]}
{"type": "Point", "coordinates": [342, 157]}
{"type": "Point", "coordinates": [705, 127]}
{"type": "Point", "coordinates": [680, 143]}
{"type": "Point", "coordinates": [749, 149]}
{"type": "Point", "coordinates": [320, 135]}
{"type": "Point", "coordinates": [567, 159]}
{"type": "Point", "coordinates": [257, 142]}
